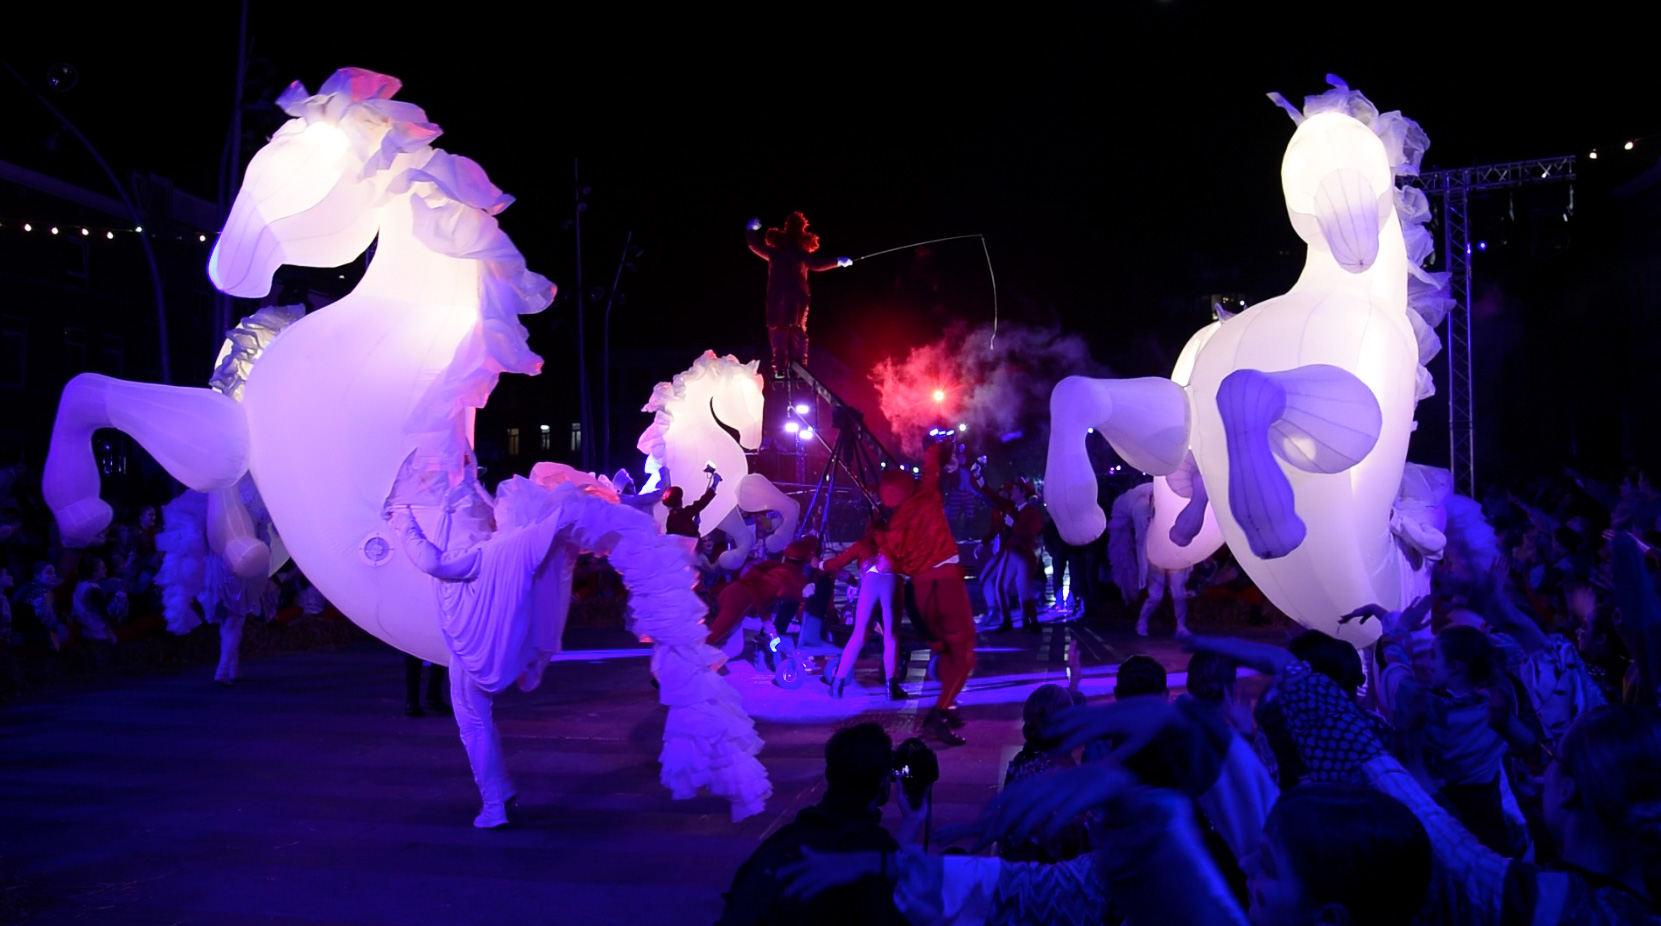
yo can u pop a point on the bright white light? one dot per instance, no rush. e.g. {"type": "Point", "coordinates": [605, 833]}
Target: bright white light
{"type": "Point", "coordinates": [139, 229]}
{"type": "Point", "coordinates": [28, 227]}
{"type": "Point", "coordinates": [940, 395]}
{"type": "Point", "coordinates": [802, 409]}
{"type": "Point", "coordinates": [916, 470]}
{"type": "Point", "coordinates": [791, 427]}
{"type": "Point", "coordinates": [85, 233]}
{"type": "Point", "coordinates": [1089, 430]}
{"type": "Point", "coordinates": [807, 434]}
{"type": "Point", "coordinates": [963, 427]}
{"type": "Point", "coordinates": [1629, 145]}
{"type": "Point", "coordinates": [54, 229]}
{"type": "Point", "coordinates": [109, 235]}
{"type": "Point", "coordinates": [1593, 155]}
{"type": "Point", "coordinates": [545, 429]}
{"type": "Point", "coordinates": [201, 237]}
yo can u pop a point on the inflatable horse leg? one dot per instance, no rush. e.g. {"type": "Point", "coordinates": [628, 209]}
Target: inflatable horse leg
{"type": "Point", "coordinates": [231, 534]}
{"type": "Point", "coordinates": [1187, 483]}
{"type": "Point", "coordinates": [756, 493]}
{"type": "Point", "coordinates": [1319, 419]}
{"type": "Point", "coordinates": [742, 541]}
{"type": "Point", "coordinates": [1146, 421]}
{"type": "Point", "coordinates": [199, 436]}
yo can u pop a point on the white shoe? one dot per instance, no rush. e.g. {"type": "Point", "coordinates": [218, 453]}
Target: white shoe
{"type": "Point", "coordinates": [492, 816]}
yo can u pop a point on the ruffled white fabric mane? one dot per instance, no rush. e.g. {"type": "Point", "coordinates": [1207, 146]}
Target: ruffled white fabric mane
{"type": "Point", "coordinates": [1405, 143]}
{"type": "Point", "coordinates": [245, 343]}
{"type": "Point", "coordinates": [665, 396]}
{"type": "Point", "coordinates": [455, 207]}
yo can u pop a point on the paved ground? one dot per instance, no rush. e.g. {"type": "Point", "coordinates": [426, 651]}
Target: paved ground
{"type": "Point", "coordinates": [304, 796]}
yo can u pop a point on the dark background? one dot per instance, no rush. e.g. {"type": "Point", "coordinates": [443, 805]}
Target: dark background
{"type": "Point", "coordinates": [1121, 162]}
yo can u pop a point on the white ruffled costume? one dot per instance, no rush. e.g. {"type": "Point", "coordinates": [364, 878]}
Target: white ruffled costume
{"type": "Point", "coordinates": [505, 592]}
{"type": "Point", "coordinates": [191, 570]}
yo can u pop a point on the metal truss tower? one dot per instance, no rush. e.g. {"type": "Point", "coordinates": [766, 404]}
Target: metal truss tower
{"type": "Point", "coordinates": [1455, 188]}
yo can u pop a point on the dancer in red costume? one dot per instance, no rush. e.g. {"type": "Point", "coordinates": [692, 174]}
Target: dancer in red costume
{"type": "Point", "coordinates": [1018, 521]}
{"type": "Point", "coordinates": [918, 541]}
{"type": "Point", "coordinates": [790, 252]}
{"type": "Point", "coordinates": [762, 586]}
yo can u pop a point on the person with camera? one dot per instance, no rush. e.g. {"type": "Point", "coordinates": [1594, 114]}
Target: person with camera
{"type": "Point", "coordinates": [918, 541]}
{"type": "Point", "coordinates": [860, 768]}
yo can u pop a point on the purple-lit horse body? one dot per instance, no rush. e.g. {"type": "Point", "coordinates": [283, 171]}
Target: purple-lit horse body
{"type": "Point", "coordinates": [375, 395]}
{"type": "Point", "coordinates": [1294, 421]}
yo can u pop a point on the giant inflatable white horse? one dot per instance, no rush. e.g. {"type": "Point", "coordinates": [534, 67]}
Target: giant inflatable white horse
{"type": "Point", "coordinates": [1298, 410]}
{"type": "Point", "coordinates": [385, 380]}
{"type": "Point", "coordinates": [709, 415]}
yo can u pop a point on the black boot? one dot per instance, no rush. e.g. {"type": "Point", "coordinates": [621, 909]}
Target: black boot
{"type": "Point", "coordinates": [895, 692]}
{"type": "Point", "coordinates": [937, 724]}
{"type": "Point", "coordinates": [954, 717]}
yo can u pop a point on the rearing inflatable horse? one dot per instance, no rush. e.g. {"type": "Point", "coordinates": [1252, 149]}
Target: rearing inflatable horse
{"type": "Point", "coordinates": [379, 391]}
{"type": "Point", "coordinates": [342, 396]}
{"type": "Point", "coordinates": [1298, 410]}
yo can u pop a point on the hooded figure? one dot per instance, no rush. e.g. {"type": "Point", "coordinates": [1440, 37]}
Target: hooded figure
{"type": "Point", "coordinates": [790, 252]}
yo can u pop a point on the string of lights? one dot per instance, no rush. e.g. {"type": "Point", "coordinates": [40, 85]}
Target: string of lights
{"type": "Point", "coordinates": [102, 232]}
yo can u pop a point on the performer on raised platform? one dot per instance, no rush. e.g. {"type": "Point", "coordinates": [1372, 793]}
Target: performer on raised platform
{"type": "Point", "coordinates": [790, 252]}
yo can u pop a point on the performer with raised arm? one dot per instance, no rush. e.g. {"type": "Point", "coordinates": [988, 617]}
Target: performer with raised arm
{"type": "Point", "coordinates": [918, 541]}
{"type": "Point", "coordinates": [790, 252]}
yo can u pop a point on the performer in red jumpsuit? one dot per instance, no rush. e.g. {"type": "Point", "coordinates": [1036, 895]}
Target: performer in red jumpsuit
{"type": "Point", "coordinates": [762, 586]}
{"type": "Point", "coordinates": [918, 542]}
{"type": "Point", "coordinates": [790, 252]}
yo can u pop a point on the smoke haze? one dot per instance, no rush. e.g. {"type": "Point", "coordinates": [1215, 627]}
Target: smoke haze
{"type": "Point", "coordinates": [995, 388]}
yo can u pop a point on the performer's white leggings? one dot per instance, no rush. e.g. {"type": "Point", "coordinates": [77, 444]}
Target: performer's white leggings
{"type": "Point", "coordinates": [875, 589]}
{"type": "Point", "coordinates": [230, 647]}
{"type": "Point", "coordinates": [1157, 580]}
{"type": "Point", "coordinates": [478, 734]}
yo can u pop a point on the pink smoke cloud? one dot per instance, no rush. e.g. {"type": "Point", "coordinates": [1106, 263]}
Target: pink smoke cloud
{"type": "Point", "coordinates": [995, 387]}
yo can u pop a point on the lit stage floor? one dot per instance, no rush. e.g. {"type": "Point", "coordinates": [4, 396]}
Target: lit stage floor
{"type": "Point", "coordinates": [304, 795]}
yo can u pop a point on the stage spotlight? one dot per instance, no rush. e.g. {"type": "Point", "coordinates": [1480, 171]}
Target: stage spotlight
{"type": "Point", "coordinates": [1089, 430]}
{"type": "Point", "coordinates": [54, 229]}
{"type": "Point", "coordinates": [807, 434]}
{"type": "Point", "coordinates": [85, 232]}
{"type": "Point", "coordinates": [1630, 145]}
{"type": "Point", "coordinates": [791, 427]}
{"type": "Point", "coordinates": [962, 427]}
{"type": "Point", "coordinates": [109, 235]}
{"type": "Point", "coordinates": [1482, 245]}
{"type": "Point", "coordinates": [802, 409]}
{"type": "Point", "coordinates": [939, 395]}
{"type": "Point", "coordinates": [1593, 155]}
{"type": "Point", "coordinates": [28, 227]}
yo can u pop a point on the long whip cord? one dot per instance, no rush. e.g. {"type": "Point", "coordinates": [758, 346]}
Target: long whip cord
{"type": "Point", "coordinates": [989, 271]}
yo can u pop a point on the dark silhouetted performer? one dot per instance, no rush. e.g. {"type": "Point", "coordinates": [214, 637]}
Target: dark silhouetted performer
{"type": "Point", "coordinates": [790, 254]}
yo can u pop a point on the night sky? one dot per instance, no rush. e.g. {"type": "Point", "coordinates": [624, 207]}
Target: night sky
{"type": "Point", "coordinates": [1121, 161]}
